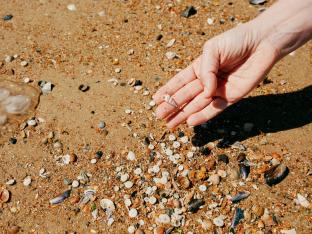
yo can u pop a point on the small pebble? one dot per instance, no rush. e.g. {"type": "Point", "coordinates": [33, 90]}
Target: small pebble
{"type": "Point", "coordinates": [131, 156]}
{"type": "Point", "coordinates": [214, 179]}
{"type": "Point", "coordinates": [210, 21]}
{"type": "Point", "coordinates": [13, 140]}
{"type": "Point", "coordinates": [131, 229]}
{"type": "Point", "coordinates": [83, 88]}
{"type": "Point", "coordinates": [124, 177]}
{"type": "Point", "coordinates": [170, 43]}
{"type": "Point", "coordinates": [93, 161]}
{"type": "Point", "coordinates": [118, 70]}
{"type": "Point", "coordinates": [171, 55]}
{"type": "Point", "coordinates": [188, 12]}
{"type": "Point", "coordinates": [202, 188]}
{"type": "Point", "coordinates": [101, 125]}
{"type": "Point", "coordinates": [75, 184]}
{"type": "Point", "coordinates": [24, 63]}
{"type": "Point", "coordinates": [176, 144]}
{"type": "Point", "coordinates": [8, 58]}
{"type": "Point", "coordinates": [133, 213]}
{"type": "Point", "coordinates": [128, 184]}
{"type": "Point", "coordinates": [219, 221]}
{"type": "Point", "coordinates": [71, 7]}
{"type": "Point", "coordinates": [7, 17]}
{"type": "Point", "coordinates": [27, 181]}
{"type": "Point", "coordinates": [152, 200]}
{"type": "Point", "coordinates": [31, 122]}
{"type": "Point", "coordinates": [11, 182]}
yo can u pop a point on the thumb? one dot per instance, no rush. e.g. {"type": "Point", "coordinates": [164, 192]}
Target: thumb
{"type": "Point", "coordinates": [208, 70]}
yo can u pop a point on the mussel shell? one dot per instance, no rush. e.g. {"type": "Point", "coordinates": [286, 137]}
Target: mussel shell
{"type": "Point", "coordinates": [60, 198]}
{"type": "Point", "coordinates": [238, 215]}
{"type": "Point", "coordinates": [276, 174]}
{"type": "Point", "coordinates": [244, 170]}
{"type": "Point", "coordinates": [194, 205]}
{"type": "Point", "coordinates": [240, 196]}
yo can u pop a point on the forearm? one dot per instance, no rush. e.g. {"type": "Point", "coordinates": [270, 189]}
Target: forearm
{"type": "Point", "coordinates": [286, 25]}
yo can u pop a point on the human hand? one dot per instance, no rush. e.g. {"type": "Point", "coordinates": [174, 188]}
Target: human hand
{"type": "Point", "coordinates": [231, 65]}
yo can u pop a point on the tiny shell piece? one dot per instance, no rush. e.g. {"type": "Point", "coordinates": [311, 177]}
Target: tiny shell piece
{"type": "Point", "coordinates": [170, 100]}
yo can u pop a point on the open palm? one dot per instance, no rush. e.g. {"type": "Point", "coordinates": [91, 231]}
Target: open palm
{"type": "Point", "coordinates": [232, 64]}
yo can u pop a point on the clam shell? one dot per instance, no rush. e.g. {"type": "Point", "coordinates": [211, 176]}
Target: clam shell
{"type": "Point", "coordinates": [107, 204]}
{"type": "Point", "coordinates": [276, 174]}
{"type": "Point", "coordinates": [4, 195]}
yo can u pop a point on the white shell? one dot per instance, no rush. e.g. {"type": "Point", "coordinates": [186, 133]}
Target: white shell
{"type": "Point", "coordinates": [17, 104]}
{"type": "Point", "coordinates": [170, 100]}
{"type": "Point", "coordinates": [107, 204]}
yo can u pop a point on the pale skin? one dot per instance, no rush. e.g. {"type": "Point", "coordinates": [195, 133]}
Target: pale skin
{"type": "Point", "coordinates": [234, 63]}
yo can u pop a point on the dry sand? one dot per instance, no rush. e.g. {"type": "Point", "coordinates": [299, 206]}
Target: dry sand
{"type": "Point", "coordinates": [70, 48]}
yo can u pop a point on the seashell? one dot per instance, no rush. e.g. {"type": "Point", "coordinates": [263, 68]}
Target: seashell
{"type": "Point", "coordinates": [60, 198]}
{"type": "Point", "coordinates": [88, 194]}
{"type": "Point", "coordinates": [195, 204]}
{"type": "Point", "coordinates": [4, 195]}
{"type": "Point", "coordinates": [184, 182]}
{"type": "Point", "coordinates": [240, 196]}
{"type": "Point", "coordinates": [4, 94]}
{"type": "Point", "coordinates": [170, 100]}
{"type": "Point", "coordinates": [107, 205]}
{"type": "Point", "coordinates": [244, 170]}
{"type": "Point", "coordinates": [17, 104]}
{"type": "Point", "coordinates": [276, 174]}
{"type": "Point", "coordinates": [257, 2]}
{"type": "Point", "coordinates": [238, 215]}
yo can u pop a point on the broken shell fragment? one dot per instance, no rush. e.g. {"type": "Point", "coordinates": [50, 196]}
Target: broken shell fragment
{"type": "Point", "coordinates": [195, 204]}
{"type": "Point", "coordinates": [4, 195]}
{"type": "Point", "coordinates": [170, 100]}
{"type": "Point", "coordinates": [60, 198]}
{"type": "Point", "coordinates": [276, 174]}
{"type": "Point", "coordinates": [240, 196]}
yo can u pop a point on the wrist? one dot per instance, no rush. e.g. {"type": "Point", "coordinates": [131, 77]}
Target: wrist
{"type": "Point", "coordinates": [285, 26]}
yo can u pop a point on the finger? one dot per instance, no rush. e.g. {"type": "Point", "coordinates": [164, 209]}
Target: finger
{"type": "Point", "coordinates": [196, 105]}
{"type": "Point", "coordinates": [209, 66]}
{"type": "Point", "coordinates": [181, 97]}
{"type": "Point", "coordinates": [213, 109]}
{"type": "Point", "coordinates": [177, 82]}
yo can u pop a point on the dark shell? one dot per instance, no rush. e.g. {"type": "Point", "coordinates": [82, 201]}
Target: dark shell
{"type": "Point", "coordinates": [84, 88]}
{"type": "Point", "coordinates": [194, 205]}
{"type": "Point", "coordinates": [244, 170]}
{"type": "Point", "coordinates": [240, 196]}
{"type": "Point", "coordinates": [257, 2]}
{"type": "Point", "coordinates": [223, 158]}
{"type": "Point", "coordinates": [7, 17]}
{"type": "Point", "coordinates": [241, 157]}
{"type": "Point", "coordinates": [188, 12]}
{"type": "Point", "coordinates": [238, 215]}
{"type": "Point", "coordinates": [60, 198]}
{"type": "Point", "coordinates": [276, 174]}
